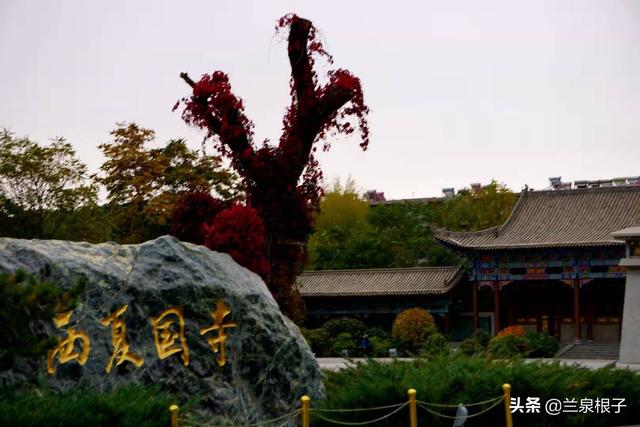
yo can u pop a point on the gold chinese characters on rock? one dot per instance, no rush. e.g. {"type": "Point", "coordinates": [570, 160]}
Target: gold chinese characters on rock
{"type": "Point", "coordinates": [165, 336]}
{"type": "Point", "coordinates": [217, 342]}
{"type": "Point", "coordinates": [64, 351]}
{"type": "Point", "coordinates": [121, 352]}
{"type": "Point", "coordinates": [168, 336]}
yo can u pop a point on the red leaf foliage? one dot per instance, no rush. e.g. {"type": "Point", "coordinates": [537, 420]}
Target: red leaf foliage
{"type": "Point", "coordinates": [239, 232]}
{"type": "Point", "coordinates": [191, 215]}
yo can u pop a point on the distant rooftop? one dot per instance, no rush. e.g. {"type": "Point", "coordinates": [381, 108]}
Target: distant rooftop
{"type": "Point", "coordinates": [412, 200]}
{"type": "Point", "coordinates": [557, 184]}
{"type": "Point", "coordinates": [376, 198]}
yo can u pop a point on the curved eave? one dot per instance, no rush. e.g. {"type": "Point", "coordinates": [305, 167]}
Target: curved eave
{"type": "Point", "coordinates": [461, 246]}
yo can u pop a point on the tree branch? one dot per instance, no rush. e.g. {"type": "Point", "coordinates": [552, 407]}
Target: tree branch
{"type": "Point", "coordinates": [333, 99]}
{"type": "Point", "coordinates": [312, 113]}
{"type": "Point", "coordinates": [238, 144]}
{"type": "Point", "coordinates": [187, 79]}
{"type": "Point", "coordinates": [299, 59]}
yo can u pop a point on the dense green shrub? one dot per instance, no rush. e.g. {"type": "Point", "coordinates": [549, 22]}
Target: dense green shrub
{"type": "Point", "coordinates": [412, 327]}
{"type": "Point", "coordinates": [482, 337]}
{"type": "Point", "coordinates": [25, 303]}
{"type": "Point", "coordinates": [132, 405]}
{"type": "Point", "coordinates": [471, 346]}
{"type": "Point", "coordinates": [319, 341]}
{"type": "Point", "coordinates": [343, 342]}
{"type": "Point", "coordinates": [380, 346]}
{"type": "Point", "coordinates": [340, 325]}
{"type": "Point", "coordinates": [508, 346]}
{"type": "Point", "coordinates": [436, 345]}
{"type": "Point", "coordinates": [541, 344]}
{"type": "Point", "coordinates": [457, 379]}
{"type": "Point", "coordinates": [375, 331]}
{"type": "Point", "coordinates": [330, 339]}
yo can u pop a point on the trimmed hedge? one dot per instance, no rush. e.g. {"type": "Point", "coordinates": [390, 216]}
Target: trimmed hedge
{"type": "Point", "coordinates": [459, 378]}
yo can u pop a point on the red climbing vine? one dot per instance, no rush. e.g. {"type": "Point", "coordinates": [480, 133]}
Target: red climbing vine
{"type": "Point", "coordinates": [282, 182]}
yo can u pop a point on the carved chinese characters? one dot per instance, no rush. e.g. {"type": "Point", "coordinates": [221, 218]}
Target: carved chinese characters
{"type": "Point", "coordinates": [65, 350]}
{"type": "Point", "coordinates": [165, 336]}
{"type": "Point", "coordinates": [217, 342]}
{"type": "Point", "coordinates": [168, 337]}
{"type": "Point", "coordinates": [121, 352]}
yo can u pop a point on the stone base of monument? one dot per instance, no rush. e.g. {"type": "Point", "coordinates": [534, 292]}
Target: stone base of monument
{"type": "Point", "coordinates": [171, 314]}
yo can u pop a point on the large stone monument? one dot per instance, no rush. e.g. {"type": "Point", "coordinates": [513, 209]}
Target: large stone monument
{"type": "Point", "coordinates": [169, 313]}
{"type": "Point", "coordinates": [630, 339]}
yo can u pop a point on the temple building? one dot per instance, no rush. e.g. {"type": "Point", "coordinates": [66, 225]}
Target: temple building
{"type": "Point", "coordinates": [553, 265]}
{"type": "Point", "coordinates": [376, 296]}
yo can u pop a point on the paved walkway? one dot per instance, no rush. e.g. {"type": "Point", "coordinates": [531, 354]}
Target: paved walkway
{"type": "Point", "coordinates": [337, 363]}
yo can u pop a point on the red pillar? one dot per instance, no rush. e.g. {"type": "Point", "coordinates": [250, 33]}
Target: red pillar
{"type": "Point", "coordinates": [496, 304]}
{"type": "Point", "coordinates": [474, 286]}
{"type": "Point", "coordinates": [576, 309]}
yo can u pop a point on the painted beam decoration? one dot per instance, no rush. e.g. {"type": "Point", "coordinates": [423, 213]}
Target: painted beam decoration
{"type": "Point", "coordinates": [548, 265]}
{"type": "Point", "coordinates": [168, 336]}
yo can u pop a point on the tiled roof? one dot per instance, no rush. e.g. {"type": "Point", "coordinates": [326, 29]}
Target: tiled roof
{"type": "Point", "coordinates": [379, 282]}
{"type": "Point", "coordinates": [557, 218]}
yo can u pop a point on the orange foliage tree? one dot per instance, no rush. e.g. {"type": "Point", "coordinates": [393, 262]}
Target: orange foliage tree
{"type": "Point", "coordinates": [412, 327]}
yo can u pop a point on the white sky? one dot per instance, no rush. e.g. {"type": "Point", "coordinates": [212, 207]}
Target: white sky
{"type": "Point", "coordinates": [460, 91]}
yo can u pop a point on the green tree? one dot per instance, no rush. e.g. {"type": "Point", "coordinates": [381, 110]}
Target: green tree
{"type": "Point", "coordinates": [403, 229]}
{"type": "Point", "coordinates": [143, 184]}
{"type": "Point", "coordinates": [41, 187]}
{"type": "Point", "coordinates": [473, 210]}
{"type": "Point", "coordinates": [351, 234]}
{"type": "Point", "coordinates": [343, 237]}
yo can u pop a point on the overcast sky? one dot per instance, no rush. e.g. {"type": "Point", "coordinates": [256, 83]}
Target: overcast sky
{"type": "Point", "coordinates": [460, 91]}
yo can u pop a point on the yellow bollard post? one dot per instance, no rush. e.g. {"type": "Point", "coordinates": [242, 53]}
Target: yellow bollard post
{"type": "Point", "coordinates": [413, 412]}
{"type": "Point", "coordinates": [305, 402]}
{"type": "Point", "coordinates": [173, 410]}
{"type": "Point", "coordinates": [507, 404]}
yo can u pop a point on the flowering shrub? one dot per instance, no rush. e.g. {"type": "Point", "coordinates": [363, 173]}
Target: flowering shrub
{"type": "Point", "coordinates": [412, 327]}
{"type": "Point", "coordinates": [512, 330]}
{"type": "Point", "coordinates": [282, 182]}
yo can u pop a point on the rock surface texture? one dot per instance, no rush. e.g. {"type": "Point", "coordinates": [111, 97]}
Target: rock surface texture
{"type": "Point", "coordinates": [268, 364]}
